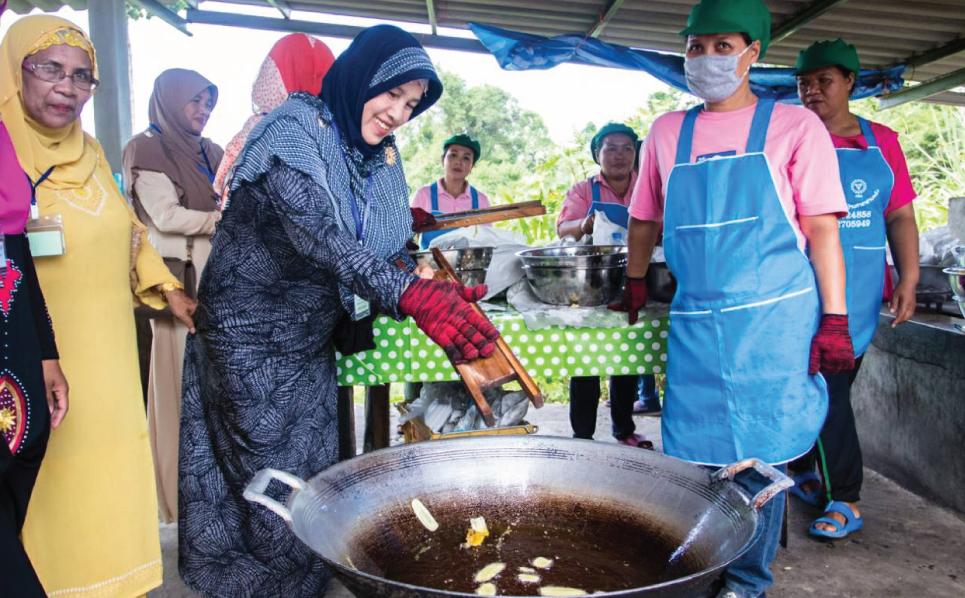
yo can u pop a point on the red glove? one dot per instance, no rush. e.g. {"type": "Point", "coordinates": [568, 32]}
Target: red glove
{"type": "Point", "coordinates": [440, 309]}
{"type": "Point", "coordinates": [634, 298]}
{"type": "Point", "coordinates": [421, 218]}
{"type": "Point", "coordinates": [831, 348]}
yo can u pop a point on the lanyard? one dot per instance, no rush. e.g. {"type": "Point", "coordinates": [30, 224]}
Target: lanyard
{"type": "Point", "coordinates": [34, 210]}
{"type": "Point", "coordinates": [206, 169]}
{"type": "Point", "coordinates": [361, 221]}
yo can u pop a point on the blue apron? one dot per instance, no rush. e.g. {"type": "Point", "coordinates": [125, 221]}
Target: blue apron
{"type": "Point", "coordinates": [616, 213]}
{"type": "Point", "coordinates": [867, 180]}
{"type": "Point", "coordinates": [746, 309]}
{"type": "Point", "coordinates": [434, 196]}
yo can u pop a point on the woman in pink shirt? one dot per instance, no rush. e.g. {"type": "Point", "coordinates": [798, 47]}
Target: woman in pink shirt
{"type": "Point", "coordinates": [742, 186]}
{"type": "Point", "coordinates": [875, 180]}
{"type": "Point", "coordinates": [452, 193]}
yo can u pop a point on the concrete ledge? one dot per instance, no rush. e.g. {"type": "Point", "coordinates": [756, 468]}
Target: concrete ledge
{"type": "Point", "coordinates": [909, 402]}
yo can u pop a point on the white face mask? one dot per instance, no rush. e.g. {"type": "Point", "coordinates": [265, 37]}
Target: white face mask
{"type": "Point", "coordinates": [713, 78]}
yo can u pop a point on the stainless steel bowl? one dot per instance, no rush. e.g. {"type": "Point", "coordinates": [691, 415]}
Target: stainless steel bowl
{"type": "Point", "coordinates": [471, 278]}
{"type": "Point", "coordinates": [581, 256]}
{"type": "Point", "coordinates": [661, 284]}
{"type": "Point", "coordinates": [467, 258]}
{"type": "Point", "coordinates": [959, 252]}
{"type": "Point", "coordinates": [960, 300]}
{"type": "Point", "coordinates": [585, 287]}
{"type": "Point", "coordinates": [956, 280]}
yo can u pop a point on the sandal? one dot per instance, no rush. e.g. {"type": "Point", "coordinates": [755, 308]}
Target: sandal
{"type": "Point", "coordinates": [812, 497]}
{"type": "Point", "coordinates": [637, 441]}
{"type": "Point", "coordinates": [840, 531]}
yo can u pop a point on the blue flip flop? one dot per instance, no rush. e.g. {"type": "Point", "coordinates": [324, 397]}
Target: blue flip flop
{"type": "Point", "coordinates": [812, 497]}
{"type": "Point", "coordinates": [836, 506]}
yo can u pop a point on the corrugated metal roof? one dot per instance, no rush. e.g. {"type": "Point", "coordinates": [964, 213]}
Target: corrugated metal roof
{"type": "Point", "coordinates": [886, 32]}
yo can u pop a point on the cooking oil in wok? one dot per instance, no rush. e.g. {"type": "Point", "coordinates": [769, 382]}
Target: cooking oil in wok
{"type": "Point", "coordinates": [592, 548]}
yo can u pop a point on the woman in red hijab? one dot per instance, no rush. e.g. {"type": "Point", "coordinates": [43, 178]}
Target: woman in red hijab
{"type": "Point", "coordinates": [297, 62]}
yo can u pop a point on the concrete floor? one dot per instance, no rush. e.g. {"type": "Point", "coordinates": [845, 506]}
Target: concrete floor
{"type": "Point", "coordinates": [909, 547]}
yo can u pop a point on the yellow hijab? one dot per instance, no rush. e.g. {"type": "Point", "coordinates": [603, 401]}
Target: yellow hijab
{"type": "Point", "coordinates": [38, 147]}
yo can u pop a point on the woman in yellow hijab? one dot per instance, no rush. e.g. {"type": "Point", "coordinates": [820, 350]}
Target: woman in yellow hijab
{"type": "Point", "coordinates": [92, 526]}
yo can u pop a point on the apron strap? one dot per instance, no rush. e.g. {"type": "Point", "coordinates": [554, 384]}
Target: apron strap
{"type": "Point", "coordinates": [758, 134]}
{"type": "Point", "coordinates": [686, 141]}
{"type": "Point", "coordinates": [475, 197]}
{"type": "Point", "coordinates": [869, 134]}
{"type": "Point", "coordinates": [434, 196]}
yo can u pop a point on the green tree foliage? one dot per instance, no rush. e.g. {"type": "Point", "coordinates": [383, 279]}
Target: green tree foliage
{"type": "Point", "coordinates": [933, 139]}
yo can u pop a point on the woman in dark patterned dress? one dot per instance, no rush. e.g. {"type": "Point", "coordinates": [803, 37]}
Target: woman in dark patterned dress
{"type": "Point", "coordinates": [33, 391]}
{"type": "Point", "coordinates": [318, 215]}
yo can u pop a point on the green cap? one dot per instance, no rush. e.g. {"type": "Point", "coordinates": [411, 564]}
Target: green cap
{"type": "Point", "coordinates": [731, 16]}
{"type": "Point", "coordinates": [465, 141]}
{"type": "Point", "coordinates": [610, 129]}
{"type": "Point", "coordinates": [828, 53]}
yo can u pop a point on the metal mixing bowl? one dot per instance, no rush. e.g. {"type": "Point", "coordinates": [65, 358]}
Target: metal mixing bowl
{"type": "Point", "coordinates": [585, 287]}
{"type": "Point", "coordinates": [471, 278]}
{"type": "Point", "coordinates": [467, 258]}
{"type": "Point", "coordinates": [956, 280]}
{"type": "Point", "coordinates": [581, 256]}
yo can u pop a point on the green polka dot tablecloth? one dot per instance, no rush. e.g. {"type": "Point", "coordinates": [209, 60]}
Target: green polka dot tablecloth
{"type": "Point", "coordinates": [404, 354]}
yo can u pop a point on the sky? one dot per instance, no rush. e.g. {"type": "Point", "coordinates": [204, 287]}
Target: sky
{"type": "Point", "coordinates": [567, 97]}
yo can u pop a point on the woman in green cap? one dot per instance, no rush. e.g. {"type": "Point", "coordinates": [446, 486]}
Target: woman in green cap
{"type": "Point", "coordinates": [875, 180]}
{"type": "Point", "coordinates": [747, 193]}
{"type": "Point", "coordinates": [452, 193]}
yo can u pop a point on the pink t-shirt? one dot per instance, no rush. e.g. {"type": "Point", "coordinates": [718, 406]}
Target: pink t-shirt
{"type": "Point", "coordinates": [902, 193]}
{"type": "Point", "coordinates": [798, 149]}
{"type": "Point", "coordinates": [447, 203]}
{"type": "Point", "coordinates": [576, 205]}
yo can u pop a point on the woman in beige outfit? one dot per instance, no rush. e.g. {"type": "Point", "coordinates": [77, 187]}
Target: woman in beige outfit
{"type": "Point", "coordinates": [169, 169]}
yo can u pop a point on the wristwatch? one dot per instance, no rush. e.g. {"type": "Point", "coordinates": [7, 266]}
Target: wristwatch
{"type": "Point", "coordinates": [167, 287]}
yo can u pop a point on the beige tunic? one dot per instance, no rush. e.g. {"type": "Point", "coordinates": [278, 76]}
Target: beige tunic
{"type": "Point", "coordinates": [172, 227]}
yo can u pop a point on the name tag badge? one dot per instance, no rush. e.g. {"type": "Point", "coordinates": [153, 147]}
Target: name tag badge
{"type": "Point", "coordinates": [362, 308]}
{"type": "Point", "coordinates": [46, 236]}
{"type": "Point", "coordinates": [706, 157]}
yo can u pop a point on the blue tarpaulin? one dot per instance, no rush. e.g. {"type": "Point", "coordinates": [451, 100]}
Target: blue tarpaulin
{"type": "Point", "coordinates": [515, 51]}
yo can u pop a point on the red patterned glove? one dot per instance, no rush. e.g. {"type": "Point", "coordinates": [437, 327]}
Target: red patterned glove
{"type": "Point", "coordinates": [421, 218]}
{"type": "Point", "coordinates": [441, 310]}
{"type": "Point", "coordinates": [831, 348]}
{"type": "Point", "coordinates": [634, 298]}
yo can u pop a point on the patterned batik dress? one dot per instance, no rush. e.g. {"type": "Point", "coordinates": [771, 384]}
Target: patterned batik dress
{"type": "Point", "coordinates": [259, 385]}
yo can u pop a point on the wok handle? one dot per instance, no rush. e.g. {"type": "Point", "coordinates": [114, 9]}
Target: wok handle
{"type": "Point", "coordinates": [781, 481]}
{"type": "Point", "coordinates": [255, 491]}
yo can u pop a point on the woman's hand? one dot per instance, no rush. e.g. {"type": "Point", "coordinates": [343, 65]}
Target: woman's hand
{"type": "Point", "coordinates": [441, 309]}
{"type": "Point", "coordinates": [182, 306]}
{"type": "Point", "coordinates": [424, 271]}
{"type": "Point", "coordinates": [903, 301]}
{"type": "Point", "coordinates": [57, 391]}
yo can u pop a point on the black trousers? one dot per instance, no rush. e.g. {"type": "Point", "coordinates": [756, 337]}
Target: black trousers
{"type": "Point", "coordinates": [17, 477]}
{"type": "Point", "coordinates": [838, 452]}
{"type": "Point", "coordinates": [585, 400]}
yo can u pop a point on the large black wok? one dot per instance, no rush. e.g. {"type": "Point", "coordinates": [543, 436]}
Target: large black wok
{"type": "Point", "coordinates": [616, 520]}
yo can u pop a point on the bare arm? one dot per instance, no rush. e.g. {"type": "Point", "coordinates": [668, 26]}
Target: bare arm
{"type": "Point", "coordinates": [641, 239]}
{"type": "Point", "coordinates": [575, 228]}
{"type": "Point", "coordinates": [828, 259]}
{"type": "Point", "coordinates": [903, 238]}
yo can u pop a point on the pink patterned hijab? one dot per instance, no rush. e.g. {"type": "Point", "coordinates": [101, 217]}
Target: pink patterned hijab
{"type": "Point", "coordinates": [14, 189]}
{"type": "Point", "coordinates": [297, 62]}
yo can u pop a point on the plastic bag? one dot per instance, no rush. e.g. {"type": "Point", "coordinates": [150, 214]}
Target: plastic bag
{"type": "Point", "coordinates": [606, 232]}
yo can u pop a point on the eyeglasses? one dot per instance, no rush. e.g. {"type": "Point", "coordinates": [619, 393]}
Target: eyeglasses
{"type": "Point", "coordinates": [54, 74]}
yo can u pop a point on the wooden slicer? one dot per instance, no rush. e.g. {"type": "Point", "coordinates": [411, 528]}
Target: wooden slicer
{"type": "Point", "coordinates": [485, 216]}
{"type": "Point", "coordinates": [499, 368]}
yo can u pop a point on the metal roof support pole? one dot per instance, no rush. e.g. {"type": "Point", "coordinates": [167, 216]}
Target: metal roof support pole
{"type": "Point", "coordinates": [162, 12]}
{"type": "Point", "coordinates": [935, 54]}
{"type": "Point", "coordinates": [611, 12]}
{"type": "Point", "coordinates": [801, 18]}
{"type": "Point", "coordinates": [281, 5]}
{"type": "Point", "coordinates": [431, 9]}
{"type": "Point", "coordinates": [112, 102]}
{"type": "Point", "coordinates": [925, 90]}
